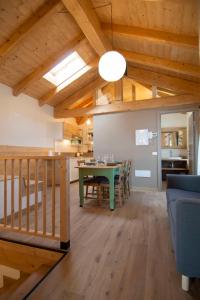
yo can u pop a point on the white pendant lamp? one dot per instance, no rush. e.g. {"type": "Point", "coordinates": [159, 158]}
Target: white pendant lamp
{"type": "Point", "coordinates": [112, 66]}
{"type": "Point", "coordinates": [88, 122]}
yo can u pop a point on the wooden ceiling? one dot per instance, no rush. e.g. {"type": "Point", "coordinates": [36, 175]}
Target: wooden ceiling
{"type": "Point", "coordinates": [160, 40]}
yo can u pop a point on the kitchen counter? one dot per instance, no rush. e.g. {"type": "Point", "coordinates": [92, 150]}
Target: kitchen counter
{"type": "Point", "coordinates": [173, 165]}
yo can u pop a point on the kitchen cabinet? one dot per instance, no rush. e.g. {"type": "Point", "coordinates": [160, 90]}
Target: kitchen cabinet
{"type": "Point", "coordinates": [73, 169]}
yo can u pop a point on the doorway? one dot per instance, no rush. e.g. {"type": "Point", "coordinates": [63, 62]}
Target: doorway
{"type": "Point", "coordinates": [177, 144]}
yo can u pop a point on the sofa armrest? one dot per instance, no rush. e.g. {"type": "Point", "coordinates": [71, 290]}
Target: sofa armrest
{"type": "Point", "coordinates": [184, 182]}
{"type": "Point", "coordinates": [187, 242]}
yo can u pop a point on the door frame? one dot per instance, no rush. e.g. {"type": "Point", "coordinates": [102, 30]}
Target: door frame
{"type": "Point", "coordinates": [196, 127]}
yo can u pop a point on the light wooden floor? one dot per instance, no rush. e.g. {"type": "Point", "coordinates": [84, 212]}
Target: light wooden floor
{"type": "Point", "coordinates": [120, 255]}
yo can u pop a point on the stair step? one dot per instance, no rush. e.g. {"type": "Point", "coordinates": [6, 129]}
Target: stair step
{"type": "Point", "coordinates": [10, 285]}
{"type": "Point", "coordinates": [27, 285]}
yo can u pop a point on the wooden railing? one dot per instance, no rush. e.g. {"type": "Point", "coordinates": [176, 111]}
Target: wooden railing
{"type": "Point", "coordinates": [34, 196]}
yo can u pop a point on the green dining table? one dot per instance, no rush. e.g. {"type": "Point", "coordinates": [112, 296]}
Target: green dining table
{"type": "Point", "coordinates": [99, 170]}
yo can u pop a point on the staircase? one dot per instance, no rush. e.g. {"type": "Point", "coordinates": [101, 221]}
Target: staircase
{"type": "Point", "coordinates": [8, 272]}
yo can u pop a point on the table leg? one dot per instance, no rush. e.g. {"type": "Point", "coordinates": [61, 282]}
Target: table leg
{"type": "Point", "coordinates": [111, 192]}
{"type": "Point", "coordinates": [81, 189]}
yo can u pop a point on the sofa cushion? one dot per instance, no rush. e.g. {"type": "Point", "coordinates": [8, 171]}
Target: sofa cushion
{"type": "Point", "coordinates": [174, 194]}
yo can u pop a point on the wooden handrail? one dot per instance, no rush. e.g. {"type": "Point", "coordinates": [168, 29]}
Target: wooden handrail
{"type": "Point", "coordinates": [53, 157]}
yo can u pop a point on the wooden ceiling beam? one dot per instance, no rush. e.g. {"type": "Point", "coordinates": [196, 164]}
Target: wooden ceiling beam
{"type": "Point", "coordinates": [47, 98]}
{"type": "Point", "coordinates": [164, 81]}
{"type": "Point", "coordinates": [86, 18]}
{"type": "Point", "coordinates": [47, 65]}
{"type": "Point", "coordinates": [45, 11]}
{"type": "Point", "coordinates": [87, 103]}
{"type": "Point", "coordinates": [154, 103]}
{"type": "Point", "coordinates": [152, 35]}
{"type": "Point", "coordinates": [81, 120]}
{"type": "Point", "coordinates": [175, 67]}
{"type": "Point", "coordinates": [82, 93]}
{"type": "Point", "coordinates": [83, 103]}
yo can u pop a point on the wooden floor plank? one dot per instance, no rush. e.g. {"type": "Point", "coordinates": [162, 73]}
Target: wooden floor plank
{"type": "Point", "coordinates": [121, 255]}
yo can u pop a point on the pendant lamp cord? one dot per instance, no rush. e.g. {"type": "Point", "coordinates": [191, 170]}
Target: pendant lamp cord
{"type": "Point", "coordinates": [111, 22]}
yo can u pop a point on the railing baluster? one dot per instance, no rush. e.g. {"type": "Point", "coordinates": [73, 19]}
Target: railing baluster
{"type": "Point", "coordinates": [64, 203]}
{"type": "Point", "coordinates": [19, 168]}
{"type": "Point", "coordinates": [36, 195]}
{"type": "Point", "coordinates": [28, 196]}
{"type": "Point", "coordinates": [44, 195]}
{"type": "Point", "coordinates": [5, 192]}
{"type": "Point", "coordinates": [53, 196]}
{"type": "Point", "coordinates": [20, 195]}
{"type": "Point", "coordinates": [12, 192]}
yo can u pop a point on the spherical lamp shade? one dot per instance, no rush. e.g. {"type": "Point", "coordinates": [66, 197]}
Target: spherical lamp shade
{"type": "Point", "coordinates": [112, 66]}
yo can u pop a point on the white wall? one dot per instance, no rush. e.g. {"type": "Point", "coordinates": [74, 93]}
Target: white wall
{"type": "Point", "coordinates": [24, 123]}
{"type": "Point", "coordinates": [173, 120]}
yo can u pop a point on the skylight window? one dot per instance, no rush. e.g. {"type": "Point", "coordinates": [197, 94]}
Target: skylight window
{"type": "Point", "coordinates": [69, 69]}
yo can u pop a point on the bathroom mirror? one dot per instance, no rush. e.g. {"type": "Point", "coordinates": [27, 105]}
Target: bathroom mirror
{"type": "Point", "coordinates": [174, 138]}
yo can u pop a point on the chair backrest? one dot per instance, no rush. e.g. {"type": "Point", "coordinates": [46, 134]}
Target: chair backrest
{"type": "Point", "coordinates": [129, 167]}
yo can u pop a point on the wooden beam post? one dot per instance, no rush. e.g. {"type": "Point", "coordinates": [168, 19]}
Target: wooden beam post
{"type": "Point", "coordinates": [154, 91]}
{"type": "Point", "coordinates": [84, 92]}
{"type": "Point", "coordinates": [119, 90]}
{"type": "Point", "coordinates": [64, 205]}
{"type": "Point", "coordinates": [154, 103]}
{"type": "Point", "coordinates": [86, 18]}
{"type": "Point", "coordinates": [152, 35]}
{"type": "Point", "coordinates": [174, 67]}
{"type": "Point", "coordinates": [164, 81]}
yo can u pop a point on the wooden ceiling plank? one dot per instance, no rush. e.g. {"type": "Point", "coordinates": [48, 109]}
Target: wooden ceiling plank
{"type": "Point", "coordinates": [46, 66]}
{"type": "Point", "coordinates": [164, 81]}
{"type": "Point", "coordinates": [154, 103]}
{"type": "Point", "coordinates": [162, 64]}
{"type": "Point", "coordinates": [47, 98]}
{"type": "Point", "coordinates": [84, 92]}
{"type": "Point", "coordinates": [86, 18]}
{"type": "Point", "coordinates": [23, 30]}
{"type": "Point", "coordinates": [152, 35]}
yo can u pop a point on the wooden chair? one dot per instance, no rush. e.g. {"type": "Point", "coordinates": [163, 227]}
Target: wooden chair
{"type": "Point", "coordinates": [128, 167]}
{"type": "Point", "coordinates": [90, 182]}
{"type": "Point", "coordinates": [119, 188]}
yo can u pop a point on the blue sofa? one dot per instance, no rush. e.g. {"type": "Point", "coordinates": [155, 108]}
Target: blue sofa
{"type": "Point", "coordinates": [183, 205]}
